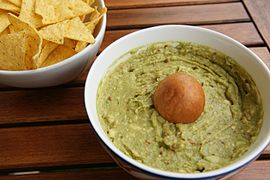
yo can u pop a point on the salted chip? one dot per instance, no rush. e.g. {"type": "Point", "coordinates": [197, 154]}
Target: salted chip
{"type": "Point", "coordinates": [53, 11]}
{"type": "Point", "coordinates": [89, 2]}
{"type": "Point", "coordinates": [48, 47]}
{"type": "Point", "coordinates": [12, 51]}
{"type": "Point", "coordinates": [6, 5]}
{"type": "Point", "coordinates": [34, 40]}
{"type": "Point", "coordinates": [11, 28]}
{"type": "Point", "coordinates": [54, 33]}
{"type": "Point", "coordinates": [70, 43]}
{"type": "Point", "coordinates": [59, 54]}
{"type": "Point", "coordinates": [17, 3]}
{"type": "Point", "coordinates": [4, 22]}
{"type": "Point", "coordinates": [76, 29]}
{"type": "Point", "coordinates": [95, 18]}
{"type": "Point", "coordinates": [72, 29]}
{"type": "Point", "coordinates": [28, 14]}
{"type": "Point", "coordinates": [5, 32]}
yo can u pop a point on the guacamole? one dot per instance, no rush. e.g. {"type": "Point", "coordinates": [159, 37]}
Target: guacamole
{"type": "Point", "coordinates": [229, 124]}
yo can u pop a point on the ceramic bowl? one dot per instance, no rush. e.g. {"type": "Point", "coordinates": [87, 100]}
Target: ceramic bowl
{"type": "Point", "coordinates": [246, 58]}
{"type": "Point", "coordinates": [59, 73]}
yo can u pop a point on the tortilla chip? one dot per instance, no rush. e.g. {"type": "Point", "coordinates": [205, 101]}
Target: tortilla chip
{"type": "Point", "coordinates": [5, 32]}
{"type": "Point", "coordinates": [53, 11]}
{"type": "Point", "coordinates": [28, 14]}
{"type": "Point", "coordinates": [48, 47]}
{"type": "Point", "coordinates": [72, 29]}
{"type": "Point", "coordinates": [4, 22]}
{"type": "Point", "coordinates": [5, 5]}
{"type": "Point", "coordinates": [12, 53]}
{"type": "Point", "coordinates": [33, 39]}
{"type": "Point", "coordinates": [11, 28]}
{"type": "Point", "coordinates": [76, 29]}
{"type": "Point", "coordinates": [17, 3]}
{"type": "Point", "coordinates": [89, 2]}
{"type": "Point", "coordinates": [59, 54]}
{"type": "Point", "coordinates": [53, 33]}
{"type": "Point", "coordinates": [95, 18]}
{"type": "Point", "coordinates": [70, 43]}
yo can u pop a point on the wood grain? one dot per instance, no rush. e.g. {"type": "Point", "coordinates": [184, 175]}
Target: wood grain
{"type": "Point", "coordinates": [197, 14]}
{"type": "Point", "coordinates": [263, 53]}
{"type": "Point", "coordinates": [259, 11]}
{"type": "Point", "coordinates": [56, 145]}
{"type": "Point", "coordinates": [48, 104]}
{"type": "Point", "coordinates": [258, 170]}
{"type": "Point", "coordinates": [248, 36]}
{"type": "Point", "coordinates": [116, 4]}
{"type": "Point", "coordinates": [106, 174]}
{"type": "Point", "coordinates": [255, 171]}
{"type": "Point", "coordinates": [50, 146]}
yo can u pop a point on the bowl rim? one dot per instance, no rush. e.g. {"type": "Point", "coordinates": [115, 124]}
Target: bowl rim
{"type": "Point", "coordinates": [210, 174]}
{"type": "Point", "coordinates": [67, 60]}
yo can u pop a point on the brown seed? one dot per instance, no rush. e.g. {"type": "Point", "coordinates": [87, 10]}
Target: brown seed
{"type": "Point", "coordinates": [179, 98]}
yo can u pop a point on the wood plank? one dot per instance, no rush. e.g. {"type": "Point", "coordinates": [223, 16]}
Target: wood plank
{"type": "Point", "coordinates": [263, 53]}
{"type": "Point", "coordinates": [122, 4]}
{"type": "Point", "coordinates": [267, 150]}
{"type": "Point", "coordinates": [56, 145]}
{"type": "Point", "coordinates": [48, 104]}
{"type": "Point", "coordinates": [111, 174]}
{"type": "Point", "coordinates": [50, 146]}
{"type": "Point", "coordinates": [259, 11]}
{"type": "Point", "coordinates": [256, 170]}
{"type": "Point", "coordinates": [248, 36]}
{"type": "Point", "coordinates": [196, 14]}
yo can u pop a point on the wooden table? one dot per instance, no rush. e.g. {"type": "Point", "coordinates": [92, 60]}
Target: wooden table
{"type": "Point", "coordinates": [45, 134]}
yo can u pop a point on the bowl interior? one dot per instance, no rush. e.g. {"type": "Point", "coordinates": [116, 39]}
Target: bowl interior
{"type": "Point", "coordinates": [247, 59]}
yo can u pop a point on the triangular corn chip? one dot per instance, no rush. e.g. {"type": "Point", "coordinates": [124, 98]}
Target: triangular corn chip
{"type": "Point", "coordinates": [94, 19]}
{"type": "Point", "coordinates": [33, 38]}
{"type": "Point", "coordinates": [4, 22]}
{"type": "Point", "coordinates": [5, 32]}
{"type": "Point", "coordinates": [17, 3]}
{"type": "Point", "coordinates": [53, 11]}
{"type": "Point", "coordinates": [12, 51]}
{"type": "Point", "coordinates": [48, 47]}
{"type": "Point", "coordinates": [59, 54]}
{"type": "Point", "coordinates": [72, 29]}
{"type": "Point", "coordinates": [28, 14]}
{"type": "Point", "coordinates": [5, 5]}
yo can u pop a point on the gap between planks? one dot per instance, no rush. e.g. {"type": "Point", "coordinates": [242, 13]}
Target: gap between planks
{"type": "Point", "coordinates": [60, 145]}
{"type": "Point", "coordinates": [196, 14]}
{"type": "Point", "coordinates": [256, 170]}
{"type": "Point", "coordinates": [131, 4]}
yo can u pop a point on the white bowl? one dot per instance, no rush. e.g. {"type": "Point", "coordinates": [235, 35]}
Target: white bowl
{"type": "Point", "coordinates": [61, 72]}
{"type": "Point", "coordinates": [246, 58]}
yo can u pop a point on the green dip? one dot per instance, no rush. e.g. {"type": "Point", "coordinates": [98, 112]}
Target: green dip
{"type": "Point", "coordinates": [230, 122]}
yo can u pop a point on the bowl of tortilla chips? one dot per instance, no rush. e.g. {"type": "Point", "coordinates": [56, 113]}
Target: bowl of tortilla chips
{"type": "Point", "coordinates": [46, 42]}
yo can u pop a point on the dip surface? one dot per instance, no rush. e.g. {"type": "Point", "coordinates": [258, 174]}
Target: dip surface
{"type": "Point", "coordinates": [230, 122]}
